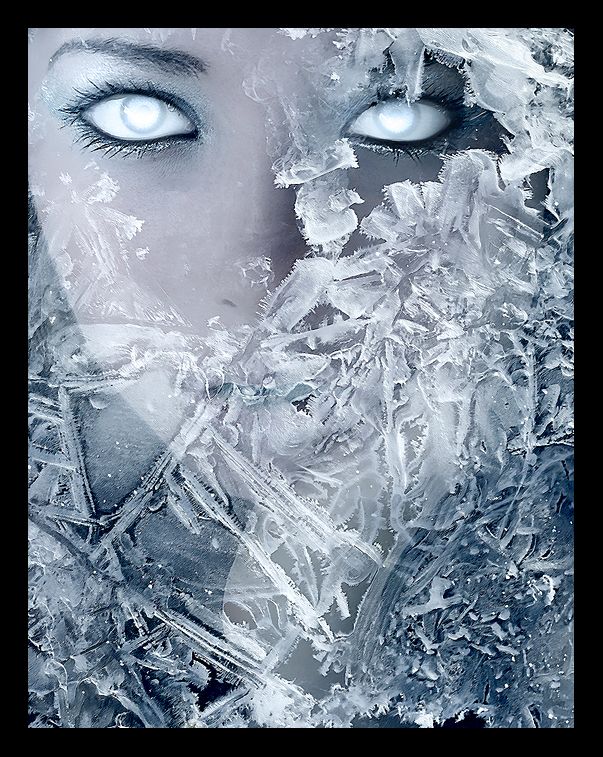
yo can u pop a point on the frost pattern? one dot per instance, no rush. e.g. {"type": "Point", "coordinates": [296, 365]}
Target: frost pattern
{"type": "Point", "coordinates": [386, 460]}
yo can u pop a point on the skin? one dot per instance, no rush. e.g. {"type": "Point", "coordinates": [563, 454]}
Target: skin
{"type": "Point", "coordinates": [214, 203]}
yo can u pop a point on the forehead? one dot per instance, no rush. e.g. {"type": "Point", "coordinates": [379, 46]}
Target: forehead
{"type": "Point", "coordinates": [206, 43]}
{"type": "Point", "coordinates": [227, 55]}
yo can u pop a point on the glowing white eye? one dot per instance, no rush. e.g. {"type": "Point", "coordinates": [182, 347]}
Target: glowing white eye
{"type": "Point", "coordinates": [397, 121]}
{"type": "Point", "coordinates": [138, 118]}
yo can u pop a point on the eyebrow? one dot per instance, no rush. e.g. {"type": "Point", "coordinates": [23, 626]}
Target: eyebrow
{"type": "Point", "coordinates": [172, 61]}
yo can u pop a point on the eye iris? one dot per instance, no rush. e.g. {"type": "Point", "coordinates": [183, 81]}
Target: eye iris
{"type": "Point", "coordinates": [142, 114]}
{"type": "Point", "coordinates": [397, 119]}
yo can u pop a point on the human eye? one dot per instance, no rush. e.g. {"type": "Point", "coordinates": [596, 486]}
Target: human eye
{"type": "Point", "coordinates": [399, 122]}
{"type": "Point", "coordinates": [136, 117]}
{"type": "Point", "coordinates": [130, 120]}
{"type": "Point", "coordinates": [443, 121]}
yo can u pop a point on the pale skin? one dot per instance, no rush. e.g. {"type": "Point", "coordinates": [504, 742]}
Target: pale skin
{"type": "Point", "coordinates": [212, 204]}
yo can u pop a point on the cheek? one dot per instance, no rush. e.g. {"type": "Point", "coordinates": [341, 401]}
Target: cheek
{"type": "Point", "coordinates": [376, 170]}
{"type": "Point", "coordinates": [173, 234]}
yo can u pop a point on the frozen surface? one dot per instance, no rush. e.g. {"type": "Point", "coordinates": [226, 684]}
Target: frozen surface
{"type": "Point", "coordinates": [365, 518]}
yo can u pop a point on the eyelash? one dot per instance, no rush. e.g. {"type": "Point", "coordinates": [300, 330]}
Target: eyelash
{"type": "Point", "coordinates": [93, 139]}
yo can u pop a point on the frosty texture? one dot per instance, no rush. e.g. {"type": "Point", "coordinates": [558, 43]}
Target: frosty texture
{"type": "Point", "coordinates": [367, 511]}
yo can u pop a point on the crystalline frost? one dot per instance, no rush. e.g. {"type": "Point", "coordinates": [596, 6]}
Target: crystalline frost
{"type": "Point", "coordinates": [387, 464]}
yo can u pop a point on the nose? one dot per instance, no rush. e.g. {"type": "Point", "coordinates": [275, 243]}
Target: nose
{"type": "Point", "coordinates": [263, 212]}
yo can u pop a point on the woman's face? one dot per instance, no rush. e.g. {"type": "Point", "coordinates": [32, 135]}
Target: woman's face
{"type": "Point", "coordinates": [151, 163]}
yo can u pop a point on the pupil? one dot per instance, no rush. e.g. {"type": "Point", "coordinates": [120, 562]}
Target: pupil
{"type": "Point", "coordinates": [397, 119]}
{"type": "Point", "coordinates": [141, 114]}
